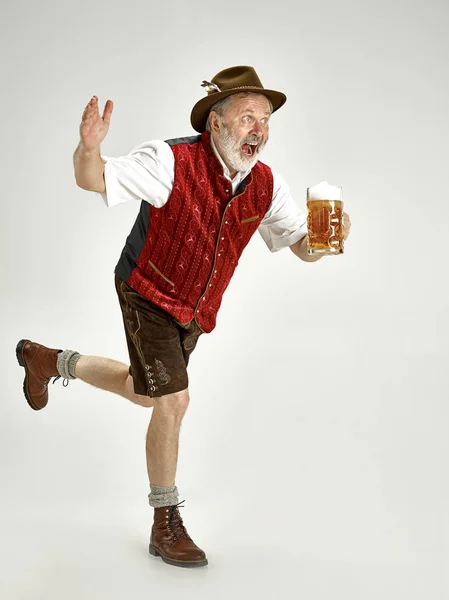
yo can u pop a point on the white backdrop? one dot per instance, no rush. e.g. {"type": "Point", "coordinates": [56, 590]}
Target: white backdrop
{"type": "Point", "coordinates": [314, 454]}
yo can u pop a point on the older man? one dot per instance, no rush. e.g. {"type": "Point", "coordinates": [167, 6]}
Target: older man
{"type": "Point", "coordinates": [202, 198]}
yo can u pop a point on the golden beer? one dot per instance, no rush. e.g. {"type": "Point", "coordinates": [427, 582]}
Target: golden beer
{"type": "Point", "coordinates": [324, 221]}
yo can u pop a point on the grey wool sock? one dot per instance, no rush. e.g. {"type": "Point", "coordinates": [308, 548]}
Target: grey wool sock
{"type": "Point", "coordinates": [163, 496]}
{"type": "Point", "coordinates": [65, 363]}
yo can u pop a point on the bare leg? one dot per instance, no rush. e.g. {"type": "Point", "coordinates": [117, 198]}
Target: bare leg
{"type": "Point", "coordinates": [110, 375]}
{"type": "Point", "coordinates": [163, 437]}
{"type": "Point", "coordinates": [163, 431]}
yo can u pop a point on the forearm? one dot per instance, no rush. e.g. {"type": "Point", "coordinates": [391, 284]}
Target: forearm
{"type": "Point", "coordinates": [300, 249]}
{"type": "Point", "coordinates": [89, 169]}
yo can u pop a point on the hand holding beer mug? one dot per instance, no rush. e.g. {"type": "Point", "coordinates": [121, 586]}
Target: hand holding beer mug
{"type": "Point", "coordinates": [325, 219]}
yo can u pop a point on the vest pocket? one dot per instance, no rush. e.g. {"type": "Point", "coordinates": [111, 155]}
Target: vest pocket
{"type": "Point", "coordinates": [250, 219]}
{"type": "Point", "coordinates": [161, 274]}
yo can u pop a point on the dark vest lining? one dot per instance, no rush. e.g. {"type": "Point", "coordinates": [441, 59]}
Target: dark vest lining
{"type": "Point", "coordinates": [193, 139]}
{"type": "Point", "coordinates": [134, 243]}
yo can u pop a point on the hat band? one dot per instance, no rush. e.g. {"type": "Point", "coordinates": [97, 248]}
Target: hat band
{"type": "Point", "coordinates": [238, 87]}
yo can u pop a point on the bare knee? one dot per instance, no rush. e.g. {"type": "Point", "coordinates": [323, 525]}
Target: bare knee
{"type": "Point", "coordinates": [172, 405]}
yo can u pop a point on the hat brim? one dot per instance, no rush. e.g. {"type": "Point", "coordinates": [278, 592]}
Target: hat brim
{"type": "Point", "coordinates": [200, 111]}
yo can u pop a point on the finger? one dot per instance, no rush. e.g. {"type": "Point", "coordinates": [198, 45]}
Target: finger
{"type": "Point", "coordinates": [89, 104]}
{"type": "Point", "coordinates": [91, 107]}
{"type": "Point", "coordinates": [88, 112]}
{"type": "Point", "coordinates": [94, 106]}
{"type": "Point", "coordinates": [108, 108]}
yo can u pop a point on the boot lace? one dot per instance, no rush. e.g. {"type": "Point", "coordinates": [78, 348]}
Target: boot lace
{"type": "Point", "coordinates": [65, 382]}
{"type": "Point", "coordinates": [175, 524]}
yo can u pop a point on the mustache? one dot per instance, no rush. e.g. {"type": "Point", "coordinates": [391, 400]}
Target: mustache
{"type": "Point", "coordinates": [251, 139]}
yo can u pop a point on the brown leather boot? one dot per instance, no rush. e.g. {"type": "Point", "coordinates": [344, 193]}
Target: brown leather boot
{"type": "Point", "coordinates": [40, 366]}
{"type": "Point", "coordinates": [170, 540]}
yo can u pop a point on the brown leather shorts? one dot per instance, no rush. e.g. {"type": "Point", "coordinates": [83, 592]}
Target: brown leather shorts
{"type": "Point", "coordinates": [159, 346]}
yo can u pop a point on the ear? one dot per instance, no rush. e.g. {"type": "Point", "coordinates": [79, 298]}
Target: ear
{"type": "Point", "coordinates": [214, 121]}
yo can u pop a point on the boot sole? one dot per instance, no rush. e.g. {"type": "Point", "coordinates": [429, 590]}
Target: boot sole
{"type": "Point", "coordinates": [19, 354]}
{"type": "Point", "coordinates": [178, 563]}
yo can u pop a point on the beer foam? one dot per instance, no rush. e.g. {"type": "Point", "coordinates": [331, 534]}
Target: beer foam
{"type": "Point", "coordinates": [324, 191]}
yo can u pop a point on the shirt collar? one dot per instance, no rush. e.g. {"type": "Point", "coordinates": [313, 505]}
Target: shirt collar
{"type": "Point", "coordinates": [240, 174]}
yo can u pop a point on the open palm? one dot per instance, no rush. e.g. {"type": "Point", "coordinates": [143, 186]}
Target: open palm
{"type": "Point", "coordinates": [94, 127]}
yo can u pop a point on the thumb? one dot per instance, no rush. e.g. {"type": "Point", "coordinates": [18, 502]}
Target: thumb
{"type": "Point", "coordinates": [108, 111]}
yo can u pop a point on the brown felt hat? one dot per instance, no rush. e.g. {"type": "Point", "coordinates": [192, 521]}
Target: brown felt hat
{"type": "Point", "coordinates": [227, 82]}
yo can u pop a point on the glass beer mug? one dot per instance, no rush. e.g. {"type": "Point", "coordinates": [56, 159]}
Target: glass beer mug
{"type": "Point", "coordinates": [324, 219]}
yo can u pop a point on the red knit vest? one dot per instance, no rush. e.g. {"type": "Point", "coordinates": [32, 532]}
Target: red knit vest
{"type": "Point", "coordinates": [195, 240]}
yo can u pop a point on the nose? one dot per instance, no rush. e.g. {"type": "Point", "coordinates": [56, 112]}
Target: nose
{"type": "Point", "coordinates": [257, 129]}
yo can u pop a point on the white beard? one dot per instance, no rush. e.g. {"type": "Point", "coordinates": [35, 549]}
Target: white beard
{"type": "Point", "coordinates": [230, 149]}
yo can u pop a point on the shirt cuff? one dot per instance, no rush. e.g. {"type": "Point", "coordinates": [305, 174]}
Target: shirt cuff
{"type": "Point", "coordinates": [276, 242]}
{"type": "Point", "coordinates": [111, 196]}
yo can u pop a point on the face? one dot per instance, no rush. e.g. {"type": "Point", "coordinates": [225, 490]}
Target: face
{"type": "Point", "coordinates": [243, 132]}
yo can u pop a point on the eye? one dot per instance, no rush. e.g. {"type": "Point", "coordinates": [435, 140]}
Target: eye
{"type": "Point", "coordinates": [265, 121]}
{"type": "Point", "coordinates": [246, 118]}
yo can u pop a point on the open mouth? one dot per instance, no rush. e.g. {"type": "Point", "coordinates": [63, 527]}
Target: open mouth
{"type": "Point", "coordinates": [249, 149]}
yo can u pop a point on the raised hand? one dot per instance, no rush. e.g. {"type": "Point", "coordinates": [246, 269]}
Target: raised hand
{"type": "Point", "coordinates": [93, 127]}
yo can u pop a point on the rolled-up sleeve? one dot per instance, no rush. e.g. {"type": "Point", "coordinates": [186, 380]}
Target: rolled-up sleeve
{"type": "Point", "coordinates": [146, 173]}
{"type": "Point", "coordinates": [283, 223]}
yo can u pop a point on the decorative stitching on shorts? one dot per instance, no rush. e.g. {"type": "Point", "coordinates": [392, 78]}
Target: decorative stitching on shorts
{"type": "Point", "coordinates": [190, 342]}
{"type": "Point", "coordinates": [138, 346]}
{"type": "Point", "coordinates": [164, 377]}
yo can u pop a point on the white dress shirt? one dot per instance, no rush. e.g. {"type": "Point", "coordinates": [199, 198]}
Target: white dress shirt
{"type": "Point", "coordinates": [148, 172]}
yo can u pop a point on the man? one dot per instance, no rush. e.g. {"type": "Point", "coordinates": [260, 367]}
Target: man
{"type": "Point", "coordinates": [202, 199]}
